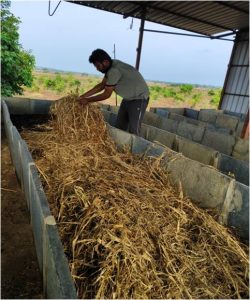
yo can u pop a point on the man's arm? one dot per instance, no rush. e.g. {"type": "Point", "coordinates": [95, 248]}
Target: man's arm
{"type": "Point", "coordinates": [96, 89]}
{"type": "Point", "coordinates": [105, 95]}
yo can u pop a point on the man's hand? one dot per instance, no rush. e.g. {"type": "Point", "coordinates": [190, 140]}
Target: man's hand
{"type": "Point", "coordinates": [83, 100]}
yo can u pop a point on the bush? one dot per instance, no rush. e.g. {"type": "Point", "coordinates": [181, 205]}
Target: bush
{"type": "Point", "coordinates": [196, 98]}
{"type": "Point", "coordinates": [211, 92]}
{"type": "Point", "coordinates": [216, 98]}
{"type": "Point", "coordinates": [186, 88]}
{"type": "Point", "coordinates": [179, 97]}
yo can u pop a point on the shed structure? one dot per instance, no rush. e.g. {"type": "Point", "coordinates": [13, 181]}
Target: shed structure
{"type": "Point", "coordinates": [207, 19]}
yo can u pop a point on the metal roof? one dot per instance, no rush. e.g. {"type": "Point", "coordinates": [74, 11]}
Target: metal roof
{"type": "Point", "coordinates": [208, 18]}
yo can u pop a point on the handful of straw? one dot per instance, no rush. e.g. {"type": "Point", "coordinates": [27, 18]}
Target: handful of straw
{"type": "Point", "coordinates": [126, 232]}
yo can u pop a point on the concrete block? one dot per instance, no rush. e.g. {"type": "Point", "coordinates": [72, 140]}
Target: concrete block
{"type": "Point", "coordinates": [238, 168]}
{"type": "Point", "coordinates": [112, 119]}
{"type": "Point", "coordinates": [26, 106]}
{"type": "Point", "coordinates": [203, 184]}
{"type": "Point", "coordinates": [169, 125]}
{"type": "Point", "coordinates": [114, 109]}
{"type": "Point", "coordinates": [57, 278]}
{"type": "Point", "coordinates": [238, 216]}
{"type": "Point", "coordinates": [241, 149]}
{"type": "Point", "coordinates": [176, 117]}
{"type": "Point", "coordinates": [155, 150]}
{"type": "Point", "coordinates": [152, 109]}
{"type": "Point", "coordinates": [6, 119]}
{"type": "Point", "coordinates": [39, 211]}
{"type": "Point", "coordinates": [139, 145]}
{"type": "Point", "coordinates": [156, 134]}
{"type": "Point", "coordinates": [191, 132]}
{"type": "Point", "coordinates": [218, 141]}
{"type": "Point", "coordinates": [162, 112]}
{"type": "Point", "coordinates": [239, 128]}
{"type": "Point", "coordinates": [208, 115]}
{"type": "Point", "coordinates": [122, 138]}
{"type": "Point", "coordinates": [106, 114]}
{"type": "Point", "coordinates": [26, 163]}
{"type": "Point", "coordinates": [196, 151]}
{"type": "Point", "coordinates": [151, 119]}
{"type": "Point", "coordinates": [176, 110]}
{"type": "Point", "coordinates": [144, 131]}
{"type": "Point", "coordinates": [15, 154]}
{"type": "Point", "coordinates": [226, 121]}
{"type": "Point", "coordinates": [240, 116]}
{"type": "Point", "coordinates": [224, 130]}
{"type": "Point", "coordinates": [195, 122]}
{"type": "Point", "coordinates": [191, 113]}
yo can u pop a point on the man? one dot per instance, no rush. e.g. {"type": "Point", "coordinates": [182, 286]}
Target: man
{"type": "Point", "coordinates": [127, 82]}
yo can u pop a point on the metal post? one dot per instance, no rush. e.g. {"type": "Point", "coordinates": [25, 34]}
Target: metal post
{"type": "Point", "coordinates": [115, 93]}
{"type": "Point", "coordinates": [138, 57]}
{"type": "Point", "coordinates": [245, 130]}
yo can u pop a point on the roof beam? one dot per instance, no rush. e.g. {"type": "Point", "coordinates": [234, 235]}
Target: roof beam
{"type": "Point", "coordinates": [232, 6]}
{"type": "Point", "coordinates": [188, 17]}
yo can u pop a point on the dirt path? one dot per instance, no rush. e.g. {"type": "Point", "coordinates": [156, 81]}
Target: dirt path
{"type": "Point", "coordinates": [20, 276]}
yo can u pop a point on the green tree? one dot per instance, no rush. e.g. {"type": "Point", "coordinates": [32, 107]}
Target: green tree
{"type": "Point", "coordinates": [17, 64]}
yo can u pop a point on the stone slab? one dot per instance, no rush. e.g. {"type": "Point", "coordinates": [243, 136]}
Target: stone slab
{"type": "Point", "coordinates": [139, 144]}
{"type": "Point", "coordinates": [238, 216]}
{"type": "Point", "coordinates": [176, 117]}
{"type": "Point", "coordinates": [151, 119]}
{"type": "Point", "coordinates": [208, 115]}
{"type": "Point", "coordinates": [226, 121]}
{"type": "Point", "coordinates": [169, 125]}
{"type": "Point", "coordinates": [122, 138]}
{"type": "Point", "coordinates": [203, 184]}
{"type": "Point", "coordinates": [162, 112]}
{"type": "Point", "coordinates": [238, 168]}
{"type": "Point", "coordinates": [218, 141]}
{"type": "Point", "coordinates": [196, 151]}
{"type": "Point", "coordinates": [26, 106]}
{"type": "Point", "coordinates": [191, 132]}
{"type": "Point", "coordinates": [162, 136]}
{"type": "Point", "coordinates": [191, 113]}
{"type": "Point", "coordinates": [56, 274]}
{"type": "Point", "coordinates": [241, 149]}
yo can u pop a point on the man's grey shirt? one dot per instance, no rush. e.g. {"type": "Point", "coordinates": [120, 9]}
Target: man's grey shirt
{"type": "Point", "coordinates": [127, 81]}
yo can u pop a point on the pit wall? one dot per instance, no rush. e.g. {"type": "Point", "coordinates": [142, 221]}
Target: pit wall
{"type": "Point", "coordinates": [220, 120]}
{"type": "Point", "coordinates": [203, 154]}
{"type": "Point", "coordinates": [207, 187]}
{"type": "Point", "coordinates": [57, 280]}
{"type": "Point", "coordinates": [199, 133]}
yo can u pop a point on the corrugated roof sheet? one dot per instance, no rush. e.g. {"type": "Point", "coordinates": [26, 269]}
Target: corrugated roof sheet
{"type": "Point", "coordinates": [204, 17]}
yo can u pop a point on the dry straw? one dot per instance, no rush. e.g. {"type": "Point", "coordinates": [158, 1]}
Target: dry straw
{"type": "Point", "coordinates": [126, 232]}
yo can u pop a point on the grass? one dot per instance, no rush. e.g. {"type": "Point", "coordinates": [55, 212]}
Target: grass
{"type": "Point", "coordinates": [54, 85]}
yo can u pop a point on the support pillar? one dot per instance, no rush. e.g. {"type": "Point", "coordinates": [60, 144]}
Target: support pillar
{"type": "Point", "coordinates": [138, 57]}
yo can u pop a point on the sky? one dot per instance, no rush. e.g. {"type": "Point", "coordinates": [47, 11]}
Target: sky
{"type": "Point", "coordinates": [65, 41]}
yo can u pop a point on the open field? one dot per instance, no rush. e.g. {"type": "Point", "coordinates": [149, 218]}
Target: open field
{"type": "Point", "coordinates": [54, 85]}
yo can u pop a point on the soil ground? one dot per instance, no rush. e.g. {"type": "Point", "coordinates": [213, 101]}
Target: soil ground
{"type": "Point", "coordinates": [20, 275]}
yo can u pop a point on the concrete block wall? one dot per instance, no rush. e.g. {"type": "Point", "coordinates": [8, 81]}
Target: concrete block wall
{"type": "Point", "coordinates": [201, 132]}
{"type": "Point", "coordinates": [26, 106]}
{"type": "Point", "coordinates": [191, 149]}
{"type": "Point", "coordinates": [57, 280]}
{"type": "Point", "coordinates": [207, 187]}
{"type": "Point", "coordinates": [229, 122]}
{"type": "Point", "coordinates": [218, 140]}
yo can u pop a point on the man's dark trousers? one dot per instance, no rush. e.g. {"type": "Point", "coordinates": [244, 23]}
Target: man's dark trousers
{"type": "Point", "coordinates": [130, 115]}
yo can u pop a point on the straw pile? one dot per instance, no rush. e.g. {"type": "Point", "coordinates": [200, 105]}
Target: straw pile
{"type": "Point", "coordinates": [126, 232]}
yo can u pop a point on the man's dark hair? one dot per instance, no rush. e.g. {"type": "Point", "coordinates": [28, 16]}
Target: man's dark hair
{"type": "Point", "coordinates": [99, 55]}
